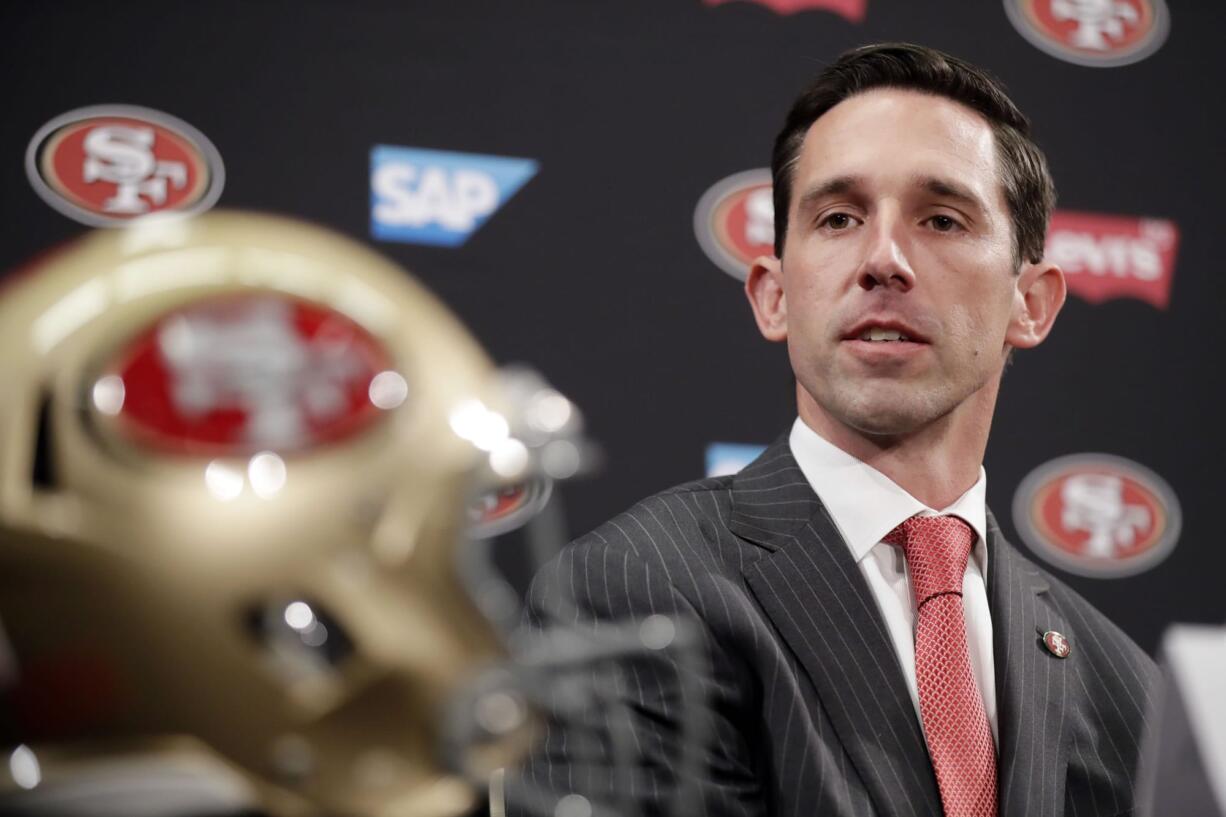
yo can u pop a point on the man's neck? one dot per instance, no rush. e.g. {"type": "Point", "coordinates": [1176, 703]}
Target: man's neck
{"type": "Point", "coordinates": [935, 464]}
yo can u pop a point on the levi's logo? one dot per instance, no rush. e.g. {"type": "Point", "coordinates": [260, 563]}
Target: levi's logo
{"type": "Point", "coordinates": [1108, 256]}
{"type": "Point", "coordinates": [439, 197]}
{"type": "Point", "coordinates": [851, 10]}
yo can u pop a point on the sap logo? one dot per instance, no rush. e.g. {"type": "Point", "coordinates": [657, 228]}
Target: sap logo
{"type": "Point", "coordinates": [439, 197]}
{"type": "Point", "coordinates": [1110, 256]}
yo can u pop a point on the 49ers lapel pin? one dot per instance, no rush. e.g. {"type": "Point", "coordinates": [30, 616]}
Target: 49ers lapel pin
{"type": "Point", "coordinates": [1057, 644]}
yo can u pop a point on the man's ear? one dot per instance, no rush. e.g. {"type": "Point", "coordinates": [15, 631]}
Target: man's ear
{"type": "Point", "coordinates": [764, 289]}
{"type": "Point", "coordinates": [1039, 296]}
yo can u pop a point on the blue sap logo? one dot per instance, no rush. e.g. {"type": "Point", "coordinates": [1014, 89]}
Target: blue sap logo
{"type": "Point", "coordinates": [438, 197]}
{"type": "Point", "coordinates": [728, 458]}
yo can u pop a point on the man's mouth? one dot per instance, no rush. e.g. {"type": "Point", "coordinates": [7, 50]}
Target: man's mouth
{"type": "Point", "coordinates": [877, 334]}
{"type": "Point", "coordinates": [887, 330]}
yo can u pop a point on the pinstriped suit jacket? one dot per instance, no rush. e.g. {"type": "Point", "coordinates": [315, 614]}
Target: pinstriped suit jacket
{"type": "Point", "coordinates": [807, 710]}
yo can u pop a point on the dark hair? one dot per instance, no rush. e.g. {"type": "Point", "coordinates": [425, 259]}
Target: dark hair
{"type": "Point", "coordinates": [1029, 190]}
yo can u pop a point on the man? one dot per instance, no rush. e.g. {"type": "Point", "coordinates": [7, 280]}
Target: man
{"type": "Point", "coordinates": [876, 647]}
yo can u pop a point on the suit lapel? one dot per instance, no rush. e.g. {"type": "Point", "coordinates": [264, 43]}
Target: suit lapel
{"type": "Point", "coordinates": [1035, 691]}
{"type": "Point", "coordinates": [813, 592]}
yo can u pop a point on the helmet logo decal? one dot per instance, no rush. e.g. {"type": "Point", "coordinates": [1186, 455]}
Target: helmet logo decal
{"type": "Point", "coordinates": [240, 375]}
{"type": "Point", "coordinates": [504, 509]}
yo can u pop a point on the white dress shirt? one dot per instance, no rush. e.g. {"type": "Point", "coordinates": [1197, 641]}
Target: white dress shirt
{"type": "Point", "coordinates": [866, 505]}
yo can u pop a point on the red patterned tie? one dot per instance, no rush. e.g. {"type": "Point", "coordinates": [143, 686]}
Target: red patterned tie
{"type": "Point", "coordinates": [955, 723]}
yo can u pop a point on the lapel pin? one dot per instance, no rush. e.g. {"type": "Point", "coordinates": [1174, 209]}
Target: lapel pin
{"type": "Point", "coordinates": [1057, 644]}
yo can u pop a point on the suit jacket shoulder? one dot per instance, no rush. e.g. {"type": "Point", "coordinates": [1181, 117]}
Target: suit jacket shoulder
{"type": "Point", "coordinates": [681, 531]}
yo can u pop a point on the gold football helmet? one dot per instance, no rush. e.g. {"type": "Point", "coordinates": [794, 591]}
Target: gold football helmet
{"type": "Point", "coordinates": [239, 460]}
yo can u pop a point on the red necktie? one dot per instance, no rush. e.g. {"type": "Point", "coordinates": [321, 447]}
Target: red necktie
{"type": "Point", "coordinates": [955, 723]}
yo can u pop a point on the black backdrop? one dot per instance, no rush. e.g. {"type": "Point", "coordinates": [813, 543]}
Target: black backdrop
{"type": "Point", "coordinates": [633, 109]}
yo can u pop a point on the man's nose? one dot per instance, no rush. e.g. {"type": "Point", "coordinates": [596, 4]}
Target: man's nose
{"type": "Point", "coordinates": [885, 261]}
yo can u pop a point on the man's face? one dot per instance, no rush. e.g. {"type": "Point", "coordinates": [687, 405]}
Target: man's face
{"type": "Point", "coordinates": [897, 292]}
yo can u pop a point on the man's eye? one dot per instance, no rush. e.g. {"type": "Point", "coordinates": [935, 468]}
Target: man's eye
{"type": "Point", "coordinates": [943, 224]}
{"type": "Point", "coordinates": [837, 221]}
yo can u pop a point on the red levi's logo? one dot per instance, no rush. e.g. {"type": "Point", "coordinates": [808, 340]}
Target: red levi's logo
{"type": "Point", "coordinates": [851, 10]}
{"type": "Point", "coordinates": [1106, 257]}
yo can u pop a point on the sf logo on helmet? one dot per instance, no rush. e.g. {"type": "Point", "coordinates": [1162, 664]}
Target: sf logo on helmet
{"type": "Point", "coordinates": [108, 164]}
{"type": "Point", "coordinates": [241, 374]}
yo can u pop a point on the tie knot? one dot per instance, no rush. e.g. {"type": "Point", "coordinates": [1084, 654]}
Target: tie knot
{"type": "Point", "coordinates": [936, 548]}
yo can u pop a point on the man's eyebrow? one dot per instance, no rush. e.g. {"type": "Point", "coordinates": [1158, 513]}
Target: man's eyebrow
{"type": "Point", "coordinates": [949, 189]}
{"type": "Point", "coordinates": [836, 186]}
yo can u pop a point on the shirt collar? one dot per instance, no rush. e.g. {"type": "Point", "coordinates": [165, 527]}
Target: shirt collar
{"type": "Point", "coordinates": [865, 504]}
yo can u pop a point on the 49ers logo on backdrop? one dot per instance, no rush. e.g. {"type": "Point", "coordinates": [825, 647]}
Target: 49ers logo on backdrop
{"type": "Point", "coordinates": [1097, 515]}
{"type": "Point", "coordinates": [1097, 33]}
{"type": "Point", "coordinates": [1107, 256]}
{"type": "Point", "coordinates": [735, 221]}
{"type": "Point", "coordinates": [108, 164]}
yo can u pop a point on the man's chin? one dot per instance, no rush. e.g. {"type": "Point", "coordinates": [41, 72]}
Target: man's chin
{"type": "Point", "coordinates": [890, 415]}
{"type": "Point", "coordinates": [887, 425]}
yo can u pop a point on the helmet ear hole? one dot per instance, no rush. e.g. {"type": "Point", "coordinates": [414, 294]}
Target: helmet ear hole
{"type": "Point", "coordinates": [43, 472]}
{"type": "Point", "coordinates": [301, 637]}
